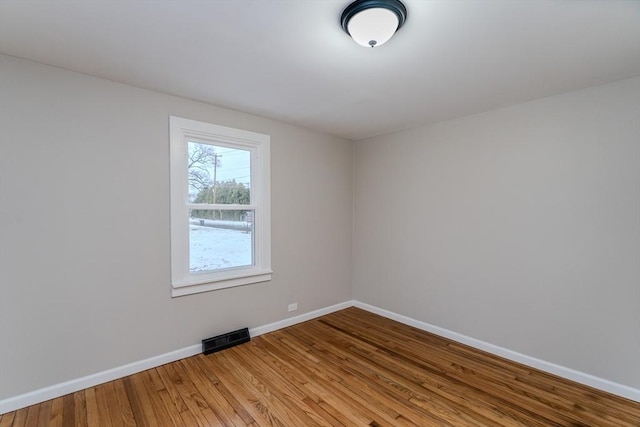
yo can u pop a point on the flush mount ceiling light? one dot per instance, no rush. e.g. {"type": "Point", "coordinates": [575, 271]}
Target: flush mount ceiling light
{"type": "Point", "coordinates": [373, 22]}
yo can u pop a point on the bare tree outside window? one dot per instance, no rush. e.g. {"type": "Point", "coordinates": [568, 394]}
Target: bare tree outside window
{"type": "Point", "coordinates": [201, 159]}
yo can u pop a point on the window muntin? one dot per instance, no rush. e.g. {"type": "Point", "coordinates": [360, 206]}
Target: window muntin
{"type": "Point", "coordinates": [220, 207]}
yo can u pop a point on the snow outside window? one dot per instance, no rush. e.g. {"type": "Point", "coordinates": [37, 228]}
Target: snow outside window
{"type": "Point", "coordinates": [220, 207]}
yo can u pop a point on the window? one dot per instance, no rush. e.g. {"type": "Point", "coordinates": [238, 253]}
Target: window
{"type": "Point", "coordinates": [220, 207]}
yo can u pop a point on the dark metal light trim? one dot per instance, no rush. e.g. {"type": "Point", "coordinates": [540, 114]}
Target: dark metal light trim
{"type": "Point", "coordinates": [357, 6]}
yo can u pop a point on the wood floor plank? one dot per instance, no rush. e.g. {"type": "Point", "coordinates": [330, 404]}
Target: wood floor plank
{"type": "Point", "coordinates": [292, 397]}
{"type": "Point", "coordinates": [347, 390]}
{"type": "Point", "coordinates": [291, 381]}
{"type": "Point", "coordinates": [348, 368]}
{"type": "Point", "coordinates": [20, 417]}
{"type": "Point", "coordinates": [163, 404]}
{"type": "Point", "coordinates": [93, 417]}
{"type": "Point", "coordinates": [468, 371]}
{"type": "Point", "coordinates": [80, 407]}
{"type": "Point", "coordinates": [126, 413]}
{"type": "Point", "coordinates": [141, 409]}
{"type": "Point", "coordinates": [328, 395]}
{"type": "Point", "coordinates": [178, 403]}
{"type": "Point", "coordinates": [154, 402]}
{"type": "Point", "coordinates": [45, 414]}
{"type": "Point", "coordinates": [6, 420]}
{"type": "Point", "coordinates": [406, 389]}
{"type": "Point", "coordinates": [394, 402]}
{"type": "Point", "coordinates": [56, 412]}
{"type": "Point", "coordinates": [491, 367]}
{"type": "Point", "coordinates": [443, 389]}
{"type": "Point", "coordinates": [68, 411]}
{"type": "Point", "coordinates": [33, 416]}
{"type": "Point", "coordinates": [194, 401]}
{"type": "Point", "coordinates": [266, 401]}
{"type": "Point", "coordinates": [216, 401]}
{"type": "Point", "coordinates": [113, 407]}
{"type": "Point", "coordinates": [103, 405]}
{"type": "Point", "coordinates": [224, 391]}
{"type": "Point", "coordinates": [252, 403]}
{"type": "Point", "coordinates": [175, 417]}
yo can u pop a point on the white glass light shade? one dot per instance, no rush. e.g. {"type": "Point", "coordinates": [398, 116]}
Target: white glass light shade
{"type": "Point", "coordinates": [373, 27]}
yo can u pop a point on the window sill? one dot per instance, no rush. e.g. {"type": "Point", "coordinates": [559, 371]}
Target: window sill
{"type": "Point", "coordinates": [220, 284]}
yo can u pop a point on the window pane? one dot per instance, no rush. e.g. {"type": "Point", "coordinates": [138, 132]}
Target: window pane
{"type": "Point", "coordinates": [220, 239]}
{"type": "Point", "coordinates": [218, 174]}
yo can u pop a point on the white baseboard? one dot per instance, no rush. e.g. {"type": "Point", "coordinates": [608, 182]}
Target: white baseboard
{"type": "Point", "coordinates": [561, 371]}
{"type": "Point", "coordinates": [57, 390]}
{"type": "Point", "coordinates": [299, 319]}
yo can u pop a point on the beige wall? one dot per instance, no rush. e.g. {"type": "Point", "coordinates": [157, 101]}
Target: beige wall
{"type": "Point", "coordinates": [519, 227]}
{"type": "Point", "coordinates": [84, 227]}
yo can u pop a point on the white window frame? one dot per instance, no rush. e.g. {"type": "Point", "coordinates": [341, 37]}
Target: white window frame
{"type": "Point", "coordinates": [181, 131]}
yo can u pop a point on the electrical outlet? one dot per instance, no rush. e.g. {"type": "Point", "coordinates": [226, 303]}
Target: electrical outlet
{"type": "Point", "coordinates": [293, 307]}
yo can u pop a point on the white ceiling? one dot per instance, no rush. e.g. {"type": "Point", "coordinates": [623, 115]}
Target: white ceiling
{"type": "Point", "coordinates": [291, 61]}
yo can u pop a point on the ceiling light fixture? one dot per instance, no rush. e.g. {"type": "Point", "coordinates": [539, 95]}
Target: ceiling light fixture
{"type": "Point", "coordinates": [373, 22]}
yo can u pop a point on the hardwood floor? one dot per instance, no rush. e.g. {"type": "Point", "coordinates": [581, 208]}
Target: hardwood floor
{"type": "Point", "coordinates": [350, 368]}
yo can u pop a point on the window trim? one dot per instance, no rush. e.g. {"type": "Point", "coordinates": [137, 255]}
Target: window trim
{"type": "Point", "coordinates": [181, 131]}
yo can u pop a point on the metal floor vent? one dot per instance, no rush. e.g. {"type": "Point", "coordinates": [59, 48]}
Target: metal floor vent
{"type": "Point", "coordinates": [230, 339]}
